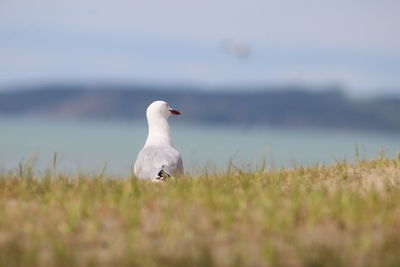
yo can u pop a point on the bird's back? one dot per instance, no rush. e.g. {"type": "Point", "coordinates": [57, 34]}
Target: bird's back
{"type": "Point", "coordinates": [151, 160]}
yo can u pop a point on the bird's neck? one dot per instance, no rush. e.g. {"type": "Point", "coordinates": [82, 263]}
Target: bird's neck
{"type": "Point", "coordinates": [159, 132]}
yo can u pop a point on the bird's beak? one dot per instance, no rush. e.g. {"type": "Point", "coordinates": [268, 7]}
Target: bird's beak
{"type": "Point", "coordinates": [175, 112]}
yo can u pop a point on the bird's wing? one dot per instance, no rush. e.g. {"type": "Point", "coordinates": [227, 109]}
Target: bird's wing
{"type": "Point", "coordinates": [152, 159]}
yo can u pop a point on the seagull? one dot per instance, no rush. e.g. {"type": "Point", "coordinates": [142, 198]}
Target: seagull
{"type": "Point", "coordinates": [158, 160]}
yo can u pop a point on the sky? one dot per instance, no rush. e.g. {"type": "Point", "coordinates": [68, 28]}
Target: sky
{"type": "Point", "coordinates": [354, 44]}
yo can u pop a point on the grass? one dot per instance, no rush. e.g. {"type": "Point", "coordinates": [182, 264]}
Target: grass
{"type": "Point", "coordinates": [339, 215]}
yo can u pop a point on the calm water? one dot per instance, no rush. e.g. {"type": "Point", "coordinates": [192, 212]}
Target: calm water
{"type": "Point", "coordinates": [89, 146]}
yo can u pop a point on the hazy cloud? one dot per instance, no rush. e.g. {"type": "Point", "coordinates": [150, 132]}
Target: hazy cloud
{"type": "Point", "coordinates": [354, 42]}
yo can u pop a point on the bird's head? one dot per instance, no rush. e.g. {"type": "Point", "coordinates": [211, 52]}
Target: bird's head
{"type": "Point", "coordinates": [160, 109]}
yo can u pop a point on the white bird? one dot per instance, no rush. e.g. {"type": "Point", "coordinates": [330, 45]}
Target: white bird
{"type": "Point", "coordinates": [158, 159]}
{"type": "Point", "coordinates": [236, 47]}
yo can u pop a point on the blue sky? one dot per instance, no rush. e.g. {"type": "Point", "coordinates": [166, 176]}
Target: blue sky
{"type": "Point", "coordinates": [353, 43]}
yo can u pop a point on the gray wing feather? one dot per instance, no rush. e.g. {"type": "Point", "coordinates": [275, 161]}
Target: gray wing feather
{"type": "Point", "coordinates": [152, 159]}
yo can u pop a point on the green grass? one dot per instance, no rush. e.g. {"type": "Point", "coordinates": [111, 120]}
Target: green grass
{"type": "Point", "coordinates": [339, 215]}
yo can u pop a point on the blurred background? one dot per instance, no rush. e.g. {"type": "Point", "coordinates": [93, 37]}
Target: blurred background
{"type": "Point", "coordinates": [292, 82]}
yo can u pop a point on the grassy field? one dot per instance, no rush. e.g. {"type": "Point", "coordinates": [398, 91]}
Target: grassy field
{"type": "Point", "coordinates": [339, 215]}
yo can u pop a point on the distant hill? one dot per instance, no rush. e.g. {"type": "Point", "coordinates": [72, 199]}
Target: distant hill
{"type": "Point", "coordinates": [289, 106]}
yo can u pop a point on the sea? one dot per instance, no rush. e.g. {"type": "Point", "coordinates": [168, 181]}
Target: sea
{"type": "Point", "coordinates": [111, 146]}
